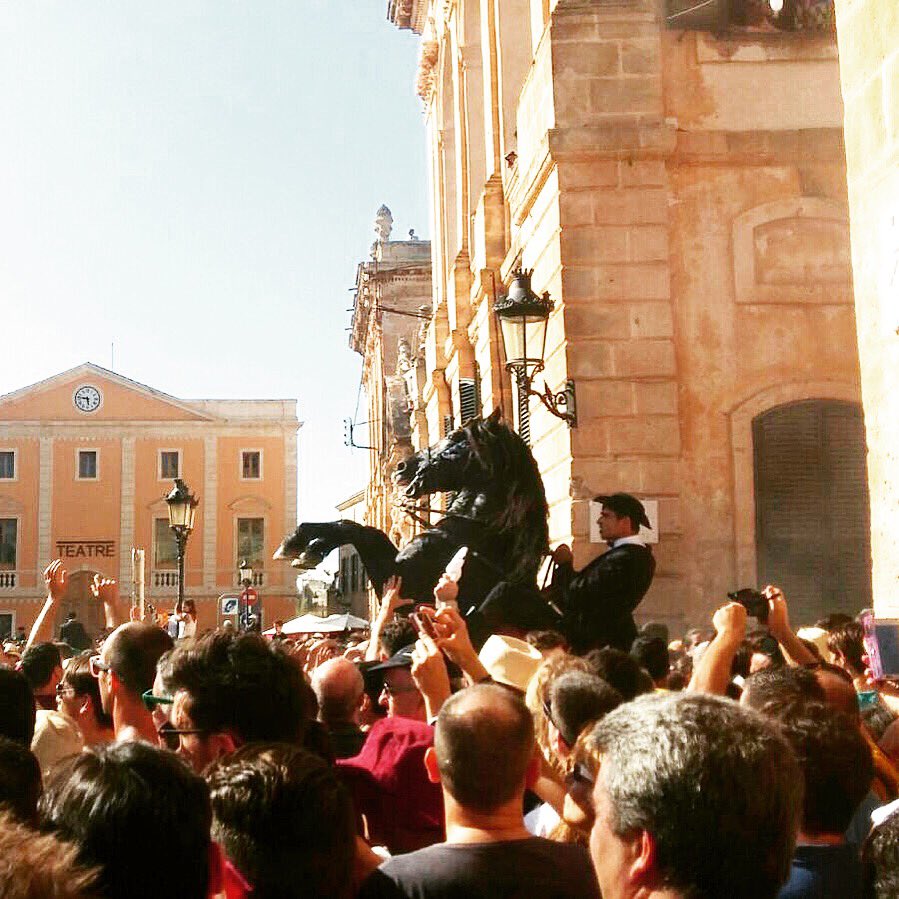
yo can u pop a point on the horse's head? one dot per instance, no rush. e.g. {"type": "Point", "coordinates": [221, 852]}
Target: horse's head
{"type": "Point", "coordinates": [304, 548]}
{"type": "Point", "coordinates": [450, 465]}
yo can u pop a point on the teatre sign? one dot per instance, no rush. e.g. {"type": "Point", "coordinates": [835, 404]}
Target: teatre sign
{"type": "Point", "coordinates": [85, 549]}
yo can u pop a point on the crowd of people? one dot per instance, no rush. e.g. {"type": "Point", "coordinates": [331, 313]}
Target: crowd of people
{"type": "Point", "coordinates": [747, 759]}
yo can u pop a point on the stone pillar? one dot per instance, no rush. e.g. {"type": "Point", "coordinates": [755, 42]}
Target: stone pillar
{"type": "Point", "coordinates": [126, 515]}
{"type": "Point", "coordinates": [45, 503]}
{"type": "Point", "coordinates": [868, 36]}
{"type": "Point", "coordinates": [609, 144]}
{"type": "Point", "coordinates": [210, 514]}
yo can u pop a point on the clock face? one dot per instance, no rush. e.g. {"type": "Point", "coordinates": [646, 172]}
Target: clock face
{"type": "Point", "coordinates": [87, 398]}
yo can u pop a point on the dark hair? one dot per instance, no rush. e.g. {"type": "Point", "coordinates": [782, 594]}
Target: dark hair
{"type": "Point", "coordinates": [118, 802]}
{"type": "Point", "coordinates": [545, 640]}
{"type": "Point", "coordinates": [620, 671]}
{"type": "Point", "coordinates": [17, 709]}
{"type": "Point", "coordinates": [396, 634]}
{"type": "Point", "coordinates": [244, 684]}
{"type": "Point", "coordinates": [20, 781]}
{"type": "Point", "coordinates": [284, 819]}
{"type": "Point", "coordinates": [880, 855]}
{"type": "Point", "coordinates": [132, 652]}
{"type": "Point", "coordinates": [835, 760]}
{"type": "Point", "coordinates": [833, 620]}
{"type": "Point", "coordinates": [679, 765]}
{"type": "Point", "coordinates": [779, 684]}
{"type": "Point", "coordinates": [651, 653]}
{"type": "Point", "coordinates": [37, 866]}
{"type": "Point", "coordinates": [847, 640]}
{"type": "Point", "coordinates": [578, 698]}
{"type": "Point", "coordinates": [39, 662]}
{"type": "Point", "coordinates": [484, 740]}
{"type": "Point", "coordinates": [78, 676]}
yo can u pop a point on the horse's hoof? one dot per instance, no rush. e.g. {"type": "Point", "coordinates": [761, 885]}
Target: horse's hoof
{"type": "Point", "coordinates": [307, 561]}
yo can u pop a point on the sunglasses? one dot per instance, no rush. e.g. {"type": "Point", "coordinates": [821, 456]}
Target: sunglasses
{"type": "Point", "coordinates": [171, 735]}
{"type": "Point", "coordinates": [151, 702]}
{"type": "Point", "coordinates": [97, 665]}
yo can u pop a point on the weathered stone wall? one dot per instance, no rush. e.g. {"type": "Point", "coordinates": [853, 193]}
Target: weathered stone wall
{"type": "Point", "coordinates": [868, 32]}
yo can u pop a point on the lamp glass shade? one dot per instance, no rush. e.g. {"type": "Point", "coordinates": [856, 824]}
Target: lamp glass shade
{"type": "Point", "coordinates": [523, 318]}
{"type": "Point", "coordinates": [182, 506]}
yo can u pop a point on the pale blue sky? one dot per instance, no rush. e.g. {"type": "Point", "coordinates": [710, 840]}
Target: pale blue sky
{"type": "Point", "coordinates": [196, 181]}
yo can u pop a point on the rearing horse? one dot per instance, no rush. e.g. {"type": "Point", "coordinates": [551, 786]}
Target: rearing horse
{"type": "Point", "coordinates": [499, 512]}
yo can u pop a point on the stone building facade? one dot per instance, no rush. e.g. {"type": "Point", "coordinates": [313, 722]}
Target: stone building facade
{"type": "Point", "coordinates": [681, 195]}
{"type": "Point", "coordinates": [391, 312]}
{"type": "Point", "coordinates": [86, 458]}
{"type": "Point", "coordinates": [868, 33]}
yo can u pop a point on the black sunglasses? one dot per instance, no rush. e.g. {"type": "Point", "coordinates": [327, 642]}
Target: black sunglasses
{"type": "Point", "coordinates": [171, 735]}
{"type": "Point", "coordinates": [579, 783]}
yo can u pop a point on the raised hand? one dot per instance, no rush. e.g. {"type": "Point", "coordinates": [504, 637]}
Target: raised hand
{"type": "Point", "coordinates": [778, 616]}
{"type": "Point", "coordinates": [105, 589]}
{"type": "Point", "coordinates": [730, 621]}
{"type": "Point", "coordinates": [429, 673]}
{"type": "Point", "coordinates": [392, 598]}
{"type": "Point", "coordinates": [55, 579]}
{"type": "Point", "coordinates": [447, 591]}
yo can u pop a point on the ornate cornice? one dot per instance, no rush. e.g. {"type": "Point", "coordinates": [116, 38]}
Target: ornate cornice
{"type": "Point", "coordinates": [408, 14]}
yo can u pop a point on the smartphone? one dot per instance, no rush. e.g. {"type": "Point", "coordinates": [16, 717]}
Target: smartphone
{"type": "Point", "coordinates": [423, 624]}
{"type": "Point", "coordinates": [881, 644]}
{"type": "Point", "coordinates": [455, 565]}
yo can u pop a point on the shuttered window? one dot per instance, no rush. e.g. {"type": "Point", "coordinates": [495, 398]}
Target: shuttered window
{"type": "Point", "coordinates": [469, 399]}
{"type": "Point", "coordinates": [812, 513]}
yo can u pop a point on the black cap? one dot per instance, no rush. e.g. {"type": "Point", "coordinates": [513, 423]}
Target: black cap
{"type": "Point", "coordinates": [401, 659]}
{"type": "Point", "coordinates": [623, 504]}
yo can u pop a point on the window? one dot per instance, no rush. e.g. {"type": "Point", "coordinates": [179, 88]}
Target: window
{"type": "Point", "coordinates": [354, 573]}
{"type": "Point", "coordinates": [250, 540]}
{"type": "Point", "coordinates": [165, 547]}
{"type": "Point", "coordinates": [8, 531]}
{"type": "Point", "coordinates": [88, 465]}
{"type": "Point", "coordinates": [169, 464]}
{"type": "Point", "coordinates": [250, 465]}
{"type": "Point", "coordinates": [7, 465]}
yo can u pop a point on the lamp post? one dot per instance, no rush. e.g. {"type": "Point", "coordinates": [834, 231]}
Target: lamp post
{"type": "Point", "coordinates": [245, 573]}
{"type": "Point", "coordinates": [523, 319]}
{"type": "Point", "coordinates": [182, 508]}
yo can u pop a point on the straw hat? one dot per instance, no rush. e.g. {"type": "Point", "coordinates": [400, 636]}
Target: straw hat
{"type": "Point", "coordinates": [510, 661]}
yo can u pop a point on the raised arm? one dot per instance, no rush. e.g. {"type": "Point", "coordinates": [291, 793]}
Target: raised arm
{"type": "Point", "coordinates": [107, 591]}
{"type": "Point", "coordinates": [711, 674]}
{"type": "Point", "coordinates": [389, 604]}
{"type": "Point", "coordinates": [55, 579]}
{"type": "Point", "coordinates": [796, 653]}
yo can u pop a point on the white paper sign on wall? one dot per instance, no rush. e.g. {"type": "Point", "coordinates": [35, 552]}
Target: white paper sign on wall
{"type": "Point", "coordinates": [647, 534]}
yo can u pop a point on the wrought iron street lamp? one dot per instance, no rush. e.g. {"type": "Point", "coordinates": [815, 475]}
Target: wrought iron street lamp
{"type": "Point", "coordinates": [523, 318]}
{"type": "Point", "coordinates": [182, 508]}
{"type": "Point", "coordinates": [245, 572]}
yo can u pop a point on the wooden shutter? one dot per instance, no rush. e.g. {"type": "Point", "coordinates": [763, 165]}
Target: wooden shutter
{"type": "Point", "coordinates": [812, 524]}
{"type": "Point", "coordinates": [469, 399]}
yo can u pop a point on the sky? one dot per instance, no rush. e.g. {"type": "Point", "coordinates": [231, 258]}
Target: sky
{"type": "Point", "coordinates": [195, 183]}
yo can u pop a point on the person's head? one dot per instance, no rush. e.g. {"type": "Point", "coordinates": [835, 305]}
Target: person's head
{"type": "Point", "coordinates": [833, 620]}
{"type": "Point", "coordinates": [17, 710]}
{"type": "Point", "coordinates": [284, 820]}
{"type": "Point", "coordinates": [399, 694]}
{"type": "Point", "coordinates": [339, 689]}
{"type": "Point", "coordinates": [846, 643]}
{"type": "Point", "coordinates": [620, 671]}
{"type": "Point", "coordinates": [119, 804]}
{"type": "Point", "coordinates": [621, 516]}
{"type": "Point", "coordinates": [128, 663]}
{"type": "Point", "coordinates": [395, 635]}
{"type": "Point", "coordinates": [42, 665]}
{"type": "Point", "coordinates": [78, 696]}
{"type": "Point", "coordinates": [20, 781]}
{"type": "Point", "coordinates": [835, 760]}
{"type": "Point", "coordinates": [279, 625]}
{"type": "Point", "coordinates": [838, 688]}
{"type": "Point", "coordinates": [38, 866]}
{"type": "Point", "coordinates": [880, 856]}
{"type": "Point", "coordinates": [484, 752]}
{"type": "Point", "coordinates": [231, 689]}
{"type": "Point", "coordinates": [694, 797]}
{"type": "Point", "coordinates": [577, 699]}
{"type": "Point", "coordinates": [651, 654]}
{"type": "Point", "coordinates": [547, 643]}
{"type": "Point", "coordinates": [780, 684]}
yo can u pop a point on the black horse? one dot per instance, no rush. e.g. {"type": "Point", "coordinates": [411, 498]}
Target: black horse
{"type": "Point", "coordinates": [499, 512]}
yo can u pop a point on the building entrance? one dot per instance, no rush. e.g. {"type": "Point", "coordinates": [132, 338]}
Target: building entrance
{"type": "Point", "coordinates": [812, 512]}
{"type": "Point", "coordinates": [80, 600]}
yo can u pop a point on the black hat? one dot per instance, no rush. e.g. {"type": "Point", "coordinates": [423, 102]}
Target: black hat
{"type": "Point", "coordinates": [401, 659]}
{"type": "Point", "coordinates": [623, 504]}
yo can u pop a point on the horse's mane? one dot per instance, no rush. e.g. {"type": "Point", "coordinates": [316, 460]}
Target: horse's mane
{"type": "Point", "coordinates": [523, 510]}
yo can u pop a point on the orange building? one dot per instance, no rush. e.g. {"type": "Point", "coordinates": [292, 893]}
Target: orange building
{"type": "Point", "coordinates": [86, 458]}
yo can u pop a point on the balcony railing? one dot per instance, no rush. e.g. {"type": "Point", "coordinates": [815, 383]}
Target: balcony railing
{"type": "Point", "coordinates": [754, 15]}
{"type": "Point", "coordinates": [8, 580]}
{"type": "Point", "coordinates": [166, 580]}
